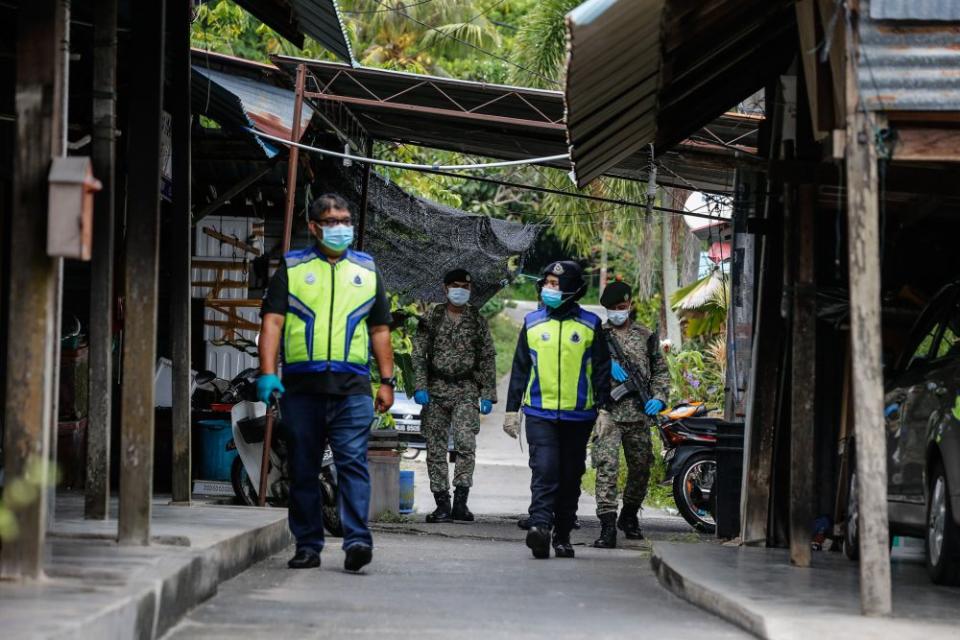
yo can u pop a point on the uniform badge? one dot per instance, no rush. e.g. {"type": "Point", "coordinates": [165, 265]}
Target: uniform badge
{"type": "Point", "coordinates": [357, 280]}
{"type": "Point", "coordinates": [558, 269]}
{"type": "Point", "coordinates": [310, 278]}
{"type": "Point", "coordinates": [545, 336]}
{"type": "Point", "coordinates": [575, 338]}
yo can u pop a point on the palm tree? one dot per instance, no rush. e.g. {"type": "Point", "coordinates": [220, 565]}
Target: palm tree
{"type": "Point", "coordinates": [408, 34]}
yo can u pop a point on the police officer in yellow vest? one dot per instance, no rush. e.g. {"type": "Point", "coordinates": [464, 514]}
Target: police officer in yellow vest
{"type": "Point", "coordinates": [561, 377]}
{"type": "Point", "coordinates": [328, 308]}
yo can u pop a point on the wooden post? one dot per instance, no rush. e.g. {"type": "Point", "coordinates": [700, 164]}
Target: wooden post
{"type": "Point", "coordinates": [178, 21]}
{"type": "Point", "coordinates": [293, 157]}
{"type": "Point", "coordinates": [142, 234]}
{"type": "Point", "coordinates": [33, 330]}
{"type": "Point", "coordinates": [97, 484]}
{"type": "Point", "coordinates": [863, 232]}
{"type": "Point", "coordinates": [804, 330]}
{"type": "Point", "coordinates": [364, 195]}
{"type": "Point", "coordinates": [740, 323]}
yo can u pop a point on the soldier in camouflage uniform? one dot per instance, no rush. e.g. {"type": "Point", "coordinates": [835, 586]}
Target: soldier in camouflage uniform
{"type": "Point", "coordinates": [455, 377]}
{"type": "Point", "coordinates": [629, 419]}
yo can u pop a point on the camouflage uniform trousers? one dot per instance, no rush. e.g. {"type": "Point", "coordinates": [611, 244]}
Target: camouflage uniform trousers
{"type": "Point", "coordinates": [439, 419]}
{"type": "Point", "coordinates": [605, 455]}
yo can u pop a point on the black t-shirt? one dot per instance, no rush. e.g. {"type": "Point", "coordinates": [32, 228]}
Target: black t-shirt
{"type": "Point", "coordinates": [329, 382]}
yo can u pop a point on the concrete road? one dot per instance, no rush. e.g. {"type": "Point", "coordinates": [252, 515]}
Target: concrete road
{"type": "Point", "coordinates": [431, 586]}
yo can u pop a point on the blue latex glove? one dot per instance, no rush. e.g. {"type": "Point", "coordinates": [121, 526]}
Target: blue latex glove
{"type": "Point", "coordinates": [421, 397]}
{"type": "Point", "coordinates": [653, 407]}
{"type": "Point", "coordinates": [618, 372]}
{"type": "Point", "coordinates": [266, 385]}
{"type": "Point", "coordinates": [486, 407]}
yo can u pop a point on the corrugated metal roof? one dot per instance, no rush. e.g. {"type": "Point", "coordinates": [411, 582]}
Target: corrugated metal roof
{"type": "Point", "coordinates": [909, 66]}
{"type": "Point", "coordinates": [318, 19]}
{"type": "Point", "coordinates": [236, 101]}
{"type": "Point", "coordinates": [925, 10]}
{"type": "Point", "coordinates": [517, 122]}
{"type": "Point", "coordinates": [656, 71]}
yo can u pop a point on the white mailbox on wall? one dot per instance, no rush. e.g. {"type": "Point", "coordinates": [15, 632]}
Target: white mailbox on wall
{"type": "Point", "coordinates": [70, 208]}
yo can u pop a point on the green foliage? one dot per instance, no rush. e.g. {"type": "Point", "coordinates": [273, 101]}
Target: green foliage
{"type": "Point", "coordinates": [698, 376]}
{"type": "Point", "coordinates": [541, 44]}
{"type": "Point", "coordinates": [492, 307]}
{"type": "Point", "coordinates": [504, 332]}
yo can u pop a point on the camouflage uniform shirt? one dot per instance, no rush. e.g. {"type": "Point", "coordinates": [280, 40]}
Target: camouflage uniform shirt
{"type": "Point", "coordinates": [652, 368]}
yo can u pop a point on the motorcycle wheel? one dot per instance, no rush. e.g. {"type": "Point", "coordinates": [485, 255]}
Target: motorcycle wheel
{"type": "Point", "coordinates": [331, 504]}
{"type": "Point", "coordinates": [695, 479]}
{"type": "Point", "coordinates": [242, 485]}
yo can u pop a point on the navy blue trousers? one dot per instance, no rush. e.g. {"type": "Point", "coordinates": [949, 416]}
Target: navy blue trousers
{"type": "Point", "coordinates": [558, 453]}
{"type": "Point", "coordinates": [344, 422]}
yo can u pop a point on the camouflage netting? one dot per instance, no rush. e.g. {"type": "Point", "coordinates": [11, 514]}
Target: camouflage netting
{"type": "Point", "coordinates": [416, 241]}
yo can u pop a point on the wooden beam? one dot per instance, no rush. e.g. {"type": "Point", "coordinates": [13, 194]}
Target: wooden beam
{"type": "Point", "coordinates": [97, 482]}
{"type": "Point", "coordinates": [803, 363]}
{"type": "Point", "coordinates": [142, 253]}
{"type": "Point", "coordinates": [33, 334]}
{"type": "Point", "coordinates": [238, 188]}
{"type": "Point", "coordinates": [293, 156]}
{"type": "Point", "coordinates": [863, 232]}
{"type": "Point", "coordinates": [178, 22]}
{"type": "Point", "coordinates": [743, 278]}
{"type": "Point", "coordinates": [926, 145]}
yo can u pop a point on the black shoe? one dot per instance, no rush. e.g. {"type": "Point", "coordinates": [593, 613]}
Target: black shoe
{"type": "Point", "coordinates": [608, 531]}
{"type": "Point", "coordinates": [442, 512]}
{"type": "Point", "coordinates": [304, 559]}
{"type": "Point", "coordinates": [561, 545]}
{"type": "Point", "coordinates": [629, 523]}
{"type": "Point", "coordinates": [358, 556]}
{"type": "Point", "coordinates": [524, 523]}
{"type": "Point", "coordinates": [460, 510]}
{"type": "Point", "coordinates": [538, 540]}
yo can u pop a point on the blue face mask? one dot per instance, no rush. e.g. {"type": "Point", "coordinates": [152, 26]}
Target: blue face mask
{"type": "Point", "coordinates": [458, 296]}
{"type": "Point", "coordinates": [337, 238]}
{"type": "Point", "coordinates": [553, 298]}
{"type": "Point", "coordinates": [618, 318]}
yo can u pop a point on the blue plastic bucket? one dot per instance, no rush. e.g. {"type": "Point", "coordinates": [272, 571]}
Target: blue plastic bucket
{"type": "Point", "coordinates": [406, 492]}
{"type": "Point", "coordinates": [216, 460]}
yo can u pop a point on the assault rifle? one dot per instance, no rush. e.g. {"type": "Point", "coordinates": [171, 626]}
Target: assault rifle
{"type": "Point", "coordinates": [635, 383]}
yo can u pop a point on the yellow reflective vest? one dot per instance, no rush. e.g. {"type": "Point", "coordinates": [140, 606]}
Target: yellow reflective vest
{"type": "Point", "coordinates": [327, 306]}
{"type": "Point", "coordinates": [561, 371]}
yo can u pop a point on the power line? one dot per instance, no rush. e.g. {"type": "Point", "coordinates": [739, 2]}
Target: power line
{"type": "Point", "coordinates": [389, 10]}
{"type": "Point", "coordinates": [473, 46]}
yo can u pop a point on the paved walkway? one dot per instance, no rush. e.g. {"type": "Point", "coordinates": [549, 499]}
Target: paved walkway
{"type": "Point", "coordinates": [759, 590]}
{"type": "Point", "coordinates": [95, 588]}
{"type": "Point", "coordinates": [435, 586]}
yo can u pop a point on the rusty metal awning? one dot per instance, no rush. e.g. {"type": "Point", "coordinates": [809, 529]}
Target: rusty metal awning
{"type": "Point", "coordinates": [294, 19]}
{"type": "Point", "coordinates": [502, 121]}
{"type": "Point", "coordinates": [238, 93]}
{"type": "Point", "coordinates": [656, 71]}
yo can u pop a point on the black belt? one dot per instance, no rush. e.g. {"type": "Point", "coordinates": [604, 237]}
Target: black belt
{"type": "Point", "coordinates": [451, 379]}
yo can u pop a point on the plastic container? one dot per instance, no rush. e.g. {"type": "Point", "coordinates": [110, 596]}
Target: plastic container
{"type": "Point", "coordinates": [406, 492]}
{"type": "Point", "coordinates": [215, 460]}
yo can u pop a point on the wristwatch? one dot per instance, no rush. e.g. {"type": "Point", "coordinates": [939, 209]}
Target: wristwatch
{"type": "Point", "coordinates": [390, 382]}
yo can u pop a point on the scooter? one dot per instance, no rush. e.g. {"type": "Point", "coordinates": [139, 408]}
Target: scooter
{"type": "Point", "coordinates": [248, 418]}
{"type": "Point", "coordinates": [689, 441]}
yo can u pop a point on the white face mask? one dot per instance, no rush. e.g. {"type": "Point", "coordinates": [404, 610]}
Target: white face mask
{"type": "Point", "coordinates": [618, 318]}
{"type": "Point", "coordinates": [457, 296]}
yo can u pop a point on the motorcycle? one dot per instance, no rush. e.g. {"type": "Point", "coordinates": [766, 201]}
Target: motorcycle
{"type": "Point", "coordinates": [248, 418]}
{"type": "Point", "coordinates": [689, 440]}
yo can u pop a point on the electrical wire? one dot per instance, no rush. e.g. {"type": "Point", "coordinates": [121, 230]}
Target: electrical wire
{"type": "Point", "coordinates": [407, 165]}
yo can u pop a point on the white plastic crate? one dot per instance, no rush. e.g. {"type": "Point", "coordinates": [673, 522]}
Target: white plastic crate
{"type": "Point", "coordinates": [227, 361]}
{"type": "Point", "coordinates": [224, 278]}
{"type": "Point", "coordinates": [163, 383]}
{"type": "Point", "coordinates": [247, 230]}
